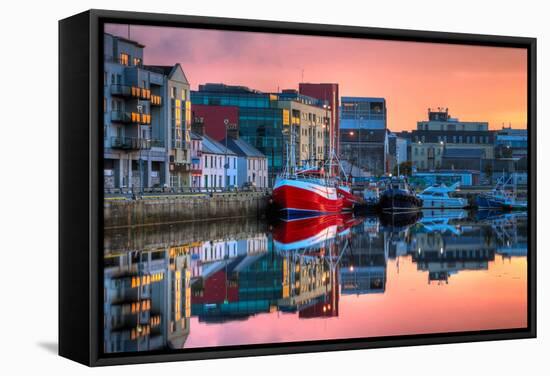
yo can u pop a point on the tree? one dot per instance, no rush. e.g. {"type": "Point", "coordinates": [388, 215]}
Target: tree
{"type": "Point", "coordinates": [405, 168]}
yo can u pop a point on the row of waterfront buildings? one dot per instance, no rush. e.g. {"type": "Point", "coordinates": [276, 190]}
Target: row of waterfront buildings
{"type": "Point", "coordinates": [160, 133]}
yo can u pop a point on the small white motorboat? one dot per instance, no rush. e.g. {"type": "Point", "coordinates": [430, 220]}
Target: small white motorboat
{"type": "Point", "coordinates": [437, 197]}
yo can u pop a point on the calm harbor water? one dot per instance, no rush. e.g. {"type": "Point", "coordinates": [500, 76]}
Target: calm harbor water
{"type": "Point", "coordinates": [238, 282]}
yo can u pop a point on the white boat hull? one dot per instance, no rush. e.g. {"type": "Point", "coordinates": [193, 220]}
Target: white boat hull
{"type": "Point", "coordinates": [447, 203]}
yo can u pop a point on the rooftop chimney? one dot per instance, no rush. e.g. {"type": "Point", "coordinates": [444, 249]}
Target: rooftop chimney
{"type": "Point", "coordinates": [197, 125]}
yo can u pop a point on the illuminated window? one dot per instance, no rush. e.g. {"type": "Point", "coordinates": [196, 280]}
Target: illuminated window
{"type": "Point", "coordinates": [137, 61]}
{"type": "Point", "coordinates": [177, 113]}
{"type": "Point", "coordinates": [124, 59]}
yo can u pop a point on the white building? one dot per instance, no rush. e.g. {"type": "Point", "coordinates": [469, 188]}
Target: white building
{"type": "Point", "coordinates": [215, 173]}
{"type": "Point", "coordinates": [252, 166]}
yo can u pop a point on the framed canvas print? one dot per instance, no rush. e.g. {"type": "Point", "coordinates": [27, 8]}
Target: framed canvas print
{"type": "Point", "coordinates": [240, 187]}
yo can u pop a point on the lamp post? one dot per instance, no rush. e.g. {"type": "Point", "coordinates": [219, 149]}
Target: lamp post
{"type": "Point", "coordinates": [442, 143]}
{"type": "Point", "coordinates": [397, 160]}
{"type": "Point", "coordinates": [140, 111]}
{"type": "Point", "coordinates": [226, 123]}
{"type": "Point", "coordinates": [232, 126]}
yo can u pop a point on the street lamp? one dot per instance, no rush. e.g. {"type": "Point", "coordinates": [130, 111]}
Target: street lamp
{"type": "Point", "coordinates": [226, 123]}
{"type": "Point", "coordinates": [140, 111]}
{"type": "Point", "coordinates": [227, 126]}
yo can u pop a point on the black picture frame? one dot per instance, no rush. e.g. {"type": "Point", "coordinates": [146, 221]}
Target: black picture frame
{"type": "Point", "coordinates": [81, 189]}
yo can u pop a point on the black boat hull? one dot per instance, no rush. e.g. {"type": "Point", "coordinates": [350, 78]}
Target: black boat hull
{"type": "Point", "coordinates": [400, 202]}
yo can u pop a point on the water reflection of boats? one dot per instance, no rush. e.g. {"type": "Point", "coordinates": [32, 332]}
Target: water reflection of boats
{"type": "Point", "coordinates": [399, 220]}
{"type": "Point", "coordinates": [510, 230]}
{"type": "Point", "coordinates": [442, 221]}
{"type": "Point", "coordinates": [214, 278]}
{"type": "Point", "coordinates": [310, 232]}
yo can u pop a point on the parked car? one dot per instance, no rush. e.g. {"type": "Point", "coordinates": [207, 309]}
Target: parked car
{"type": "Point", "coordinates": [249, 186]}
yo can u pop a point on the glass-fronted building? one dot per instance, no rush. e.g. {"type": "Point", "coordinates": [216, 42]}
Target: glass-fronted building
{"type": "Point", "coordinates": [262, 118]}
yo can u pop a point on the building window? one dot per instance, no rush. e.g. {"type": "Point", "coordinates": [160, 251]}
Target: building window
{"type": "Point", "coordinates": [124, 59]}
{"type": "Point", "coordinates": [137, 61]}
{"type": "Point", "coordinates": [118, 79]}
{"type": "Point", "coordinates": [112, 79]}
{"type": "Point", "coordinates": [174, 92]}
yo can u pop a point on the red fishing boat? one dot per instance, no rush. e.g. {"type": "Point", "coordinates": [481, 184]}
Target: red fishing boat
{"type": "Point", "coordinates": [306, 193]}
{"type": "Point", "coordinates": [349, 200]}
{"type": "Point", "coordinates": [310, 191]}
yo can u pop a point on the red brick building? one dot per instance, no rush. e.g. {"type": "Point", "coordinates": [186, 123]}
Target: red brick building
{"type": "Point", "coordinates": [215, 119]}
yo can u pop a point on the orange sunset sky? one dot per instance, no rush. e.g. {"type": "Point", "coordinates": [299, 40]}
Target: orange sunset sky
{"type": "Point", "coordinates": [475, 83]}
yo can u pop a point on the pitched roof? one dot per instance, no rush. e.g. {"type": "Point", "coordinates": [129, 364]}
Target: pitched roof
{"type": "Point", "coordinates": [242, 148]}
{"type": "Point", "coordinates": [211, 146]}
{"type": "Point", "coordinates": [195, 136]}
{"type": "Point", "coordinates": [169, 71]}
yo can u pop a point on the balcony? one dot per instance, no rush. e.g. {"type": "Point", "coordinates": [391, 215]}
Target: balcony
{"type": "Point", "coordinates": [141, 93]}
{"type": "Point", "coordinates": [121, 117]}
{"type": "Point", "coordinates": [130, 143]}
{"type": "Point", "coordinates": [138, 118]}
{"type": "Point", "coordinates": [130, 118]}
{"type": "Point", "coordinates": [121, 91]}
{"type": "Point", "coordinates": [157, 143]}
{"type": "Point", "coordinates": [156, 100]}
{"type": "Point", "coordinates": [180, 144]}
{"type": "Point", "coordinates": [131, 91]}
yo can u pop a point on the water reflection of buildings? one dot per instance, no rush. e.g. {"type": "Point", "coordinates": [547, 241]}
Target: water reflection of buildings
{"type": "Point", "coordinates": [363, 266]}
{"type": "Point", "coordinates": [147, 300]}
{"type": "Point", "coordinates": [443, 245]}
{"type": "Point", "coordinates": [442, 254]}
{"type": "Point", "coordinates": [300, 269]}
{"type": "Point", "coordinates": [263, 283]}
